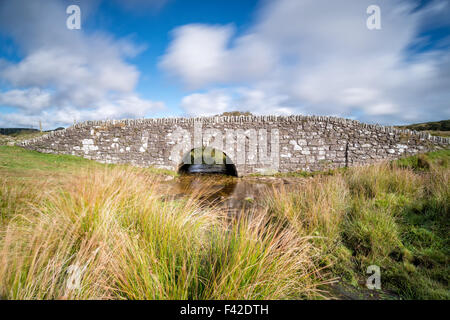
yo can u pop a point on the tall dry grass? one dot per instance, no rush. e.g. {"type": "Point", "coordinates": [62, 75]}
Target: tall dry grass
{"type": "Point", "coordinates": [349, 204]}
{"type": "Point", "coordinates": [126, 242]}
{"type": "Point", "coordinates": [386, 214]}
{"type": "Point", "coordinates": [314, 208]}
{"type": "Point", "coordinates": [129, 241]}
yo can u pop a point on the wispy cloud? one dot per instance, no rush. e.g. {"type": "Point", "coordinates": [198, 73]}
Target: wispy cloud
{"type": "Point", "coordinates": [66, 75]}
{"type": "Point", "coordinates": [318, 57]}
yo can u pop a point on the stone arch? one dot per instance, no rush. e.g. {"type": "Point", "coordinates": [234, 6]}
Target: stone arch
{"type": "Point", "coordinates": [189, 160]}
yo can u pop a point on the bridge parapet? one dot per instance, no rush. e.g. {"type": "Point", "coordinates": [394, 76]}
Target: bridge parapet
{"type": "Point", "coordinates": [255, 144]}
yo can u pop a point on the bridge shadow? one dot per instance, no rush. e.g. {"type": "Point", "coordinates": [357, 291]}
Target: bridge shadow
{"type": "Point", "coordinates": [204, 161]}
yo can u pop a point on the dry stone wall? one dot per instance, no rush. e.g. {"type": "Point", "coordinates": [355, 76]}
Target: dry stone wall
{"type": "Point", "coordinates": [293, 143]}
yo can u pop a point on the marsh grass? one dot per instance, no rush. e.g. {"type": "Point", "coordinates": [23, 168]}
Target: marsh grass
{"type": "Point", "coordinates": [314, 209]}
{"type": "Point", "coordinates": [395, 215]}
{"type": "Point", "coordinates": [131, 244]}
{"type": "Point", "coordinates": [131, 241]}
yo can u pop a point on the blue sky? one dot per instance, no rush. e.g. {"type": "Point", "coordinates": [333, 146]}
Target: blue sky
{"type": "Point", "coordinates": [153, 29]}
{"type": "Point", "coordinates": [160, 58]}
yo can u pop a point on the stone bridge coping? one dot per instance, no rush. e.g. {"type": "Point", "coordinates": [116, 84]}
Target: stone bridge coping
{"type": "Point", "coordinates": [243, 119]}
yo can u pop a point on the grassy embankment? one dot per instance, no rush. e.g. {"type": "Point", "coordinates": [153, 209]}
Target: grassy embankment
{"type": "Point", "coordinates": [437, 128]}
{"type": "Point", "coordinates": [133, 244]}
{"type": "Point", "coordinates": [392, 215]}
{"type": "Point", "coordinates": [19, 135]}
{"type": "Point", "coordinates": [57, 212]}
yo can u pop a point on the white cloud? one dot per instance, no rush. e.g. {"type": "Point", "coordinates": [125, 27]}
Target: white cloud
{"type": "Point", "coordinates": [207, 104]}
{"type": "Point", "coordinates": [217, 101]}
{"type": "Point", "coordinates": [30, 99]}
{"type": "Point", "coordinates": [262, 102]}
{"type": "Point", "coordinates": [318, 57]}
{"type": "Point", "coordinates": [201, 54]}
{"type": "Point", "coordinates": [66, 75]}
{"type": "Point", "coordinates": [107, 109]}
{"type": "Point", "coordinates": [79, 80]}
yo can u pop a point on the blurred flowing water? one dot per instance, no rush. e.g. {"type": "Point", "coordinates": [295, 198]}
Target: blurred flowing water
{"type": "Point", "coordinates": [229, 193]}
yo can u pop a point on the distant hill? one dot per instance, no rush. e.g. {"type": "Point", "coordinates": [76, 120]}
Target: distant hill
{"type": "Point", "coordinates": [14, 135]}
{"type": "Point", "coordinates": [14, 131]}
{"type": "Point", "coordinates": [437, 128]}
{"type": "Point", "coordinates": [236, 113]}
{"type": "Point", "coordinates": [443, 125]}
{"type": "Point", "coordinates": [22, 131]}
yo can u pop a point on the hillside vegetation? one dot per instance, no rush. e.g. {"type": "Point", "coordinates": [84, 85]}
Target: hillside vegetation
{"type": "Point", "coordinates": [437, 128]}
{"type": "Point", "coordinates": [12, 136]}
{"type": "Point", "coordinates": [60, 214]}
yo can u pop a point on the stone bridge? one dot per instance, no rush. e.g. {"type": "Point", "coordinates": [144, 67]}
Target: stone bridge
{"type": "Point", "coordinates": [252, 144]}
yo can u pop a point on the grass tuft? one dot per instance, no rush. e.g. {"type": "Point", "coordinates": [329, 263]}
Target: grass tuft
{"type": "Point", "coordinates": [74, 229]}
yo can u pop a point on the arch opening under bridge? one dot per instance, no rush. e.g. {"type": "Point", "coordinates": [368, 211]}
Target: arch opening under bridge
{"type": "Point", "coordinates": [207, 160]}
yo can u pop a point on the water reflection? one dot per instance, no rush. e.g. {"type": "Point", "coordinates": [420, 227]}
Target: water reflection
{"type": "Point", "coordinates": [207, 160]}
{"type": "Point", "coordinates": [229, 193]}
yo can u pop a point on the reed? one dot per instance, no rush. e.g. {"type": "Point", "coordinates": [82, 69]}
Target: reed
{"type": "Point", "coordinates": [71, 229]}
{"type": "Point", "coordinates": [127, 242]}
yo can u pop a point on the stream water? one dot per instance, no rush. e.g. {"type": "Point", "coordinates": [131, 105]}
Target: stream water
{"type": "Point", "coordinates": [233, 195]}
{"type": "Point", "coordinates": [229, 193]}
